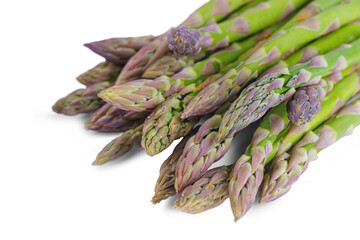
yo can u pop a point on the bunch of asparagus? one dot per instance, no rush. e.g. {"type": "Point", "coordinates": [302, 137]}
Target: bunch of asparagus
{"type": "Point", "coordinates": [294, 65]}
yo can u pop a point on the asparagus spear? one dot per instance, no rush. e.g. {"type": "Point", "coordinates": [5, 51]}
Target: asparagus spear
{"type": "Point", "coordinates": [120, 145]}
{"type": "Point", "coordinates": [213, 11]}
{"type": "Point", "coordinates": [111, 119]}
{"type": "Point", "coordinates": [270, 53]}
{"type": "Point", "coordinates": [102, 72]}
{"type": "Point", "coordinates": [272, 89]}
{"type": "Point", "coordinates": [187, 41]}
{"type": "Point", "coordinates": [164, 125]}
{"type": "Point", "coordinates": [345, 34]}
{"type": "Point", "coordinates": [288, 167]}
{"type": "Point", "coordinates": [303, 106]}
{"type": "Point", "coordinates": [208, 192]}
{"type": "Point", "coordinates": [82, 100]}
{"type": "Point", "coordinates": [118, 50]}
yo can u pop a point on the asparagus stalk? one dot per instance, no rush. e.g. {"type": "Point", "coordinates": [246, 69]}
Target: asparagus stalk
{"type": "Point", "coordinates": [164, 125]}
{"type": "Point", "coordinates": [120, 145]}
{"type": "Point", "coordinates": [118, 50]}
{"type": "Point", "coordinates": [82, 100]}
{"type": "Point", "coordinates": [102, 72]}
{"type": "Point", "coordinates": [272, 89]}
{"type": "Point", "coordinates": [288, 167]}
{"type": "Point", "coordinates": [208, 192]}
{"type": "Point", "coordinates": [111, 119]}
{"type": "Point", "coordinates": [333, 40]}
{"type": "Point", "coordinates": [215, 35]}
{"type": "Point", "coordinates": [281, 44]}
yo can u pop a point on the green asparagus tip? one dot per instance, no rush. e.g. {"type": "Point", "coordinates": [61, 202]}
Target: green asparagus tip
{"type": "Point", "coordinates": [99, 161]}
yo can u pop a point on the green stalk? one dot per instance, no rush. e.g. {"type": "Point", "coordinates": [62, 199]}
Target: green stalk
{"type": "Point", "coordinates": [270, 53]}
{"type": "Point", "coordinates": [288, 167]}
{"type": "Point", "coordinates": [270, 90]}
{"type": "Point", "coordinates": [120, 145]}
{"type": "Point", "coordinates": [249, 22]}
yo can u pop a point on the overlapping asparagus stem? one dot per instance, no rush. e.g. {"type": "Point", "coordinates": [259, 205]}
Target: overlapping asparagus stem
{"type": "Point", "coordinates": [118, 50]}
{"type": "Point", "coordinates": [247, 173]}
{"type": "Point", "coordinates": [333, 40]}
{"type": "Point", "coordinates": [288, 167]}
{"type": "Point", "coordinates": [260, 91]}
{"type": "Point", "coordinates": [249, 22]}
{"type": "Point", "coordinates": [272, 89]}
{"type": "Point", "coordinates": [82, 100]}
{"type": "Point", "coordinates": [147, 94]}
{"type": "Point", "coordinates": [271, 52]}
{"type": "Point", "coordinates": [120, 145]}
{"type": "Point", "coordinates": [164, 187]}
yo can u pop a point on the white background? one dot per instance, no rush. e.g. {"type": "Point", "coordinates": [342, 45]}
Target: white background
{"type": "Point", "coordinates": [49, 190]}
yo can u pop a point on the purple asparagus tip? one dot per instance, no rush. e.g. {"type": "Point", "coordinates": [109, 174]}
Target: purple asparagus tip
{"type": "Point", "coordinates": [184, 41]}
{"type": "Point", "coordinates": [304, 105]}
